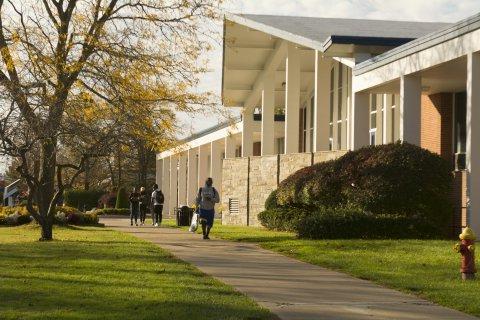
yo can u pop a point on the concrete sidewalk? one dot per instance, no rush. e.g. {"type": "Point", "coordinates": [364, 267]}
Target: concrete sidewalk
{"type": "Point", "coordinates": [289, 288]}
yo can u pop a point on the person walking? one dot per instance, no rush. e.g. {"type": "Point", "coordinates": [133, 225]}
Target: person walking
{"type": "Point", "coordinates": [157, 201]}
{"type": "Point", "coordinates": [144, 202]}
{"type": "Point", "coordinates": [206, 199]}
{"type": "Point", "coordinates": [134, 206]}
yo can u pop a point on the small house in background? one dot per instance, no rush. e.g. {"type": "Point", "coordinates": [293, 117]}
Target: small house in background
{"type": "Point", "coordinates": [11, 193]}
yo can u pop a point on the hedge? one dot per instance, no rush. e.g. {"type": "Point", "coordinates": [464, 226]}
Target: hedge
{"type": "Point", "coordinates": [112, 211]}
{"type": "Point", "coordinates": [122, 199]}
{"type": "Point", "coordinates": [82, 199]}
{"type": "Point", "coordinates": [353, 223]}
{"type": "Point", "coordinates": [400, 180]}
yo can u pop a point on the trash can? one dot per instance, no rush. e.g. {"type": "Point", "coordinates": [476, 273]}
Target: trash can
{"type": "Point", "coordinates": [184, 216]}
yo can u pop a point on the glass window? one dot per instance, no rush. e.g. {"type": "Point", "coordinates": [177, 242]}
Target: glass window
{"type": "Point", "coordinates": [373, 134]}
{"type": "Point", "coordinates": [339, 136]}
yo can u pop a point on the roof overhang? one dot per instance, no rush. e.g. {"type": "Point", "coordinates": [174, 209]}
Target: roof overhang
{"type": "Point", "coordinates": [451, 32]}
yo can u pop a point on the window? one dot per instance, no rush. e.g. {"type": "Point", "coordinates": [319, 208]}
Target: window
{"type": "Point", "coordinates": [332, 95]}
{"type": "Point", "coordinates": [303, 129]}
{"type": "Point", "coordinates": [460, 122]}
{"type": "Point", "coordinates": [339, 105]}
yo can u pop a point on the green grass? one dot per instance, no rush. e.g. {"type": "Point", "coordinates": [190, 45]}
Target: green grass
{"type": "Point", "coordinates": [426, 268]}
{"type": "Point", "coordinates": [96, 273]}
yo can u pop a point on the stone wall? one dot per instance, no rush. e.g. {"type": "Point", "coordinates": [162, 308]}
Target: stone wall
{"type": "Point", "coordinates": [251, 180]}
{"type": "Point", "coordinates": [263, 180]}
{"type": "Point", "coordinates": [323, 156]}
{"type": "Point", "coordinates": [290, 163]}
{"type": "Point", "coordinates": [235, 188]}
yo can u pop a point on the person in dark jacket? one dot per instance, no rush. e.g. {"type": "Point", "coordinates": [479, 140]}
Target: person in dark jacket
{"type": "Point", "coordinates": [157, 201]}
{"type": "Point", "coordinates": [134, 206]}
{"type": "Point", "coordinates": [144, 202]}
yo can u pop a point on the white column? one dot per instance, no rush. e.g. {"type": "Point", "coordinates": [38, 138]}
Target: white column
{"type": "Point", "coordinates": [230, 146]}
{"type": "Point", "coordinates": [247, 133]}
{"type": "Point", "coordinates": [321, 117]}
{"type": "Point", "coordinates": [166, 184]}
{"type": "Point", "coordinates": [268, 114]}
{"type": "Point", "coordinates": [410, 109]}
{"type": "Point", "coordinates": [192, 179]}
{"type": "Point", "coordinates": [159, 171]}
{"type": "Point", "coordinates": [182, 179]}
{"type": "Point", "coordinates": [473, 142]}
{"type": "Point", "coordinates": [387, 118]}
{"type": "Point", "coordinates": [292, 99]}
{"type": "Point", "coordinates": [379, 120]}
{"type": "Point", "coordinates": [173, 183]}
{"type": "Point", "coordinates": [360, 124]}
{"type": "Point", "coordinates": [216, 161]}
{"type": "Point", "coordinates": [203, 172]}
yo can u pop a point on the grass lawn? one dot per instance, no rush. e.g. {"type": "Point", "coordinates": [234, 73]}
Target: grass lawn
{"type": "Point", "coordinates": [427, 268]}
{"type": "Point", "coordinates": [95, 273]}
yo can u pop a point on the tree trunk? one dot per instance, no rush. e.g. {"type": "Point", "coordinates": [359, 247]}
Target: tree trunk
{"type": "Point", "coordinates": [142, 166]}
{"type": "Point", "coordinates": [46, 189]}
{"type": "Point", "coordinates": [119, 167]}
{"type": "Point", "coordinates": [47, 230]}
{"type": "Point", "coordinates": [86, 181]}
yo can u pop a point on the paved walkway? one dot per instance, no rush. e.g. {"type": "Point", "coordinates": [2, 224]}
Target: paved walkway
{"type": "Point", "coordinates": [289, 288]}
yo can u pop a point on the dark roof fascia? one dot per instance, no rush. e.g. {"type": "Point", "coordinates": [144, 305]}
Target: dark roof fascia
{"type": "Point", "coordinates": [461, 28]}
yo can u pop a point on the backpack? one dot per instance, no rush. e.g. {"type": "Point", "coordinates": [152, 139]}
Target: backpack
{"type": "Point", "coordinates": [200, 190]}
{"type": "Point", "coordinates": [159, 197]}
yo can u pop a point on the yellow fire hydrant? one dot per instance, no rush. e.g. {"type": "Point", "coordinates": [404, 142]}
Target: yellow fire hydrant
{"type": "Point", "coordinates": [467, 249]}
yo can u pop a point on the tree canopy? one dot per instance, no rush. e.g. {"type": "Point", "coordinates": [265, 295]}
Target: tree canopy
{"type": "Point", "coordinates": [78, 75]}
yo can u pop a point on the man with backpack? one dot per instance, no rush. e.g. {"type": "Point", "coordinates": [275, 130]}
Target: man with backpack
{"type": "Point", "coordinates": [157, 200]}
{"type": "Point", "coordinates": [206, 199]}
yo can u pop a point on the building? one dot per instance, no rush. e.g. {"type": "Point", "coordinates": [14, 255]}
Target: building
{"type": "Point", "coordinates": [313, 88]}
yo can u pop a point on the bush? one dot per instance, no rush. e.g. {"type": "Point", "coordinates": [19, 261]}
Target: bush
{"type": "Point", "coordinates": [82, 219]}
{"type": "Point", "coordinates": [112, 211]}
{"type": "Point", "coordinates": [122, 199]}
{"type": "Point", "coordinates": [82, 199]}
{"type": "Point", "coordinates": [14, 216]}
{"type": "Point", "coordinates": [282, 219]}
{"type": "Point", "coordinates": [353, 223]}
{"type": "Point", "coordinates": [398, 179]}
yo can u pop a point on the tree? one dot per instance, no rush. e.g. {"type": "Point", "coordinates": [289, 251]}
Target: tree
{"type": "Point", "coordinates": [73, 72]}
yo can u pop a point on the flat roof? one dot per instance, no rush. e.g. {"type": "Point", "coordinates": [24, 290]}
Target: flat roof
{"type": "Point", "coordinates": [444, 34]}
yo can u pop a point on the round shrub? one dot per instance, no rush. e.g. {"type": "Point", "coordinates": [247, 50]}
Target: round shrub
{"type": "Point", "coordinates": [122, 199]}
{"type": "Point", "coordinates": [393, 179]}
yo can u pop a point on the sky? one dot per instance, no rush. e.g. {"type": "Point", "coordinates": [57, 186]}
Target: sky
{"type": "Point", "coordinates": [412, 10]}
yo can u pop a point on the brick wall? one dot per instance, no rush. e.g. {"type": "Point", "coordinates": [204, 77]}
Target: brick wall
{"type": "Point", "coordinates": [437, 124]}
